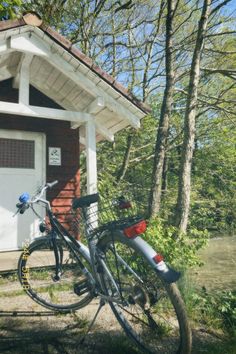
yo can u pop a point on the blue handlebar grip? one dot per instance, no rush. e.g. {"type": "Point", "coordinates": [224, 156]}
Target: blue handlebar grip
{"type": "Point", "coordinates": [24, 198]}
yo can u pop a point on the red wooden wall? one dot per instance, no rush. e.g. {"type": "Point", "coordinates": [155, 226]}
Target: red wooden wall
{"type": "Point", "coordinates": [58, 134]}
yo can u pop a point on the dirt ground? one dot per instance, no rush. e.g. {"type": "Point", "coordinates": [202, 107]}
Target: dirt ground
{"type": "Point", "coordinates": [26, 328]}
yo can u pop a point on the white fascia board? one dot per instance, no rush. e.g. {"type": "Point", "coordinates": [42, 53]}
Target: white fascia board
{"type": "Point", "coordinates": [30, 43]}
{"type": "Point", "coordinates": [42, 112]}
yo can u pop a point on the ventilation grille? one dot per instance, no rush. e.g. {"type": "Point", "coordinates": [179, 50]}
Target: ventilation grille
{"type": "Point", "coordinates": [16, 153]}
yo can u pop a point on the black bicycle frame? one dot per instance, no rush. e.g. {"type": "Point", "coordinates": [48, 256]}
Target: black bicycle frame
{"type": "Point", "coordinates": [57, 228]}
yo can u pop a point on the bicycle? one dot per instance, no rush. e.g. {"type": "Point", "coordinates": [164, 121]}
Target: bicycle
{"type": "Point", "coordinates": [117, 265]}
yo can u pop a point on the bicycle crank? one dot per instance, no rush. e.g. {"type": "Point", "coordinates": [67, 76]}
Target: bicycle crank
{"type": "Point", "coordinates": [82, 287]}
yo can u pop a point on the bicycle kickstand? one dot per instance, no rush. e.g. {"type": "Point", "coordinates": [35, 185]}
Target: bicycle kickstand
{"type": "Point", "coordinates": [101, 304]}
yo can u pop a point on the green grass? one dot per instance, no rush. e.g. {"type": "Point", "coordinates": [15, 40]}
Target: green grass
{"type": "Point", "coordinates": [12, 293]}
{"type": "Point", "coordinates": [45, 289]}
{"type": "Point", "coordinates": [227, 347]}
{"type": "Point", "coordinates": [4, 278]}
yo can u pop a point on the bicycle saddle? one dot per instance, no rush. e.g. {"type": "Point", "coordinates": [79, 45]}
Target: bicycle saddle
{"type": "Point", "coordinates": [85, 201]}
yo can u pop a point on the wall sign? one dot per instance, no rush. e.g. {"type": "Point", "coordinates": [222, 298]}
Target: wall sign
{"type": "Point", "coordinates": [54, 156]}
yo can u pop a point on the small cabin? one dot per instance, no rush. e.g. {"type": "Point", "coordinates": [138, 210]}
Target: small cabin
{"type": "Point", "coordinates": [53, 101]}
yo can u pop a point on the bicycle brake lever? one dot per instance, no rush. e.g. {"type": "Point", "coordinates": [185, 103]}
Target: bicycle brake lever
{"type": "Point", "coordinates": [22, 207]}
{"type": "Point", "coordinates": [16, 213]}
{"type": "Point", "coordinates": [18, 205]}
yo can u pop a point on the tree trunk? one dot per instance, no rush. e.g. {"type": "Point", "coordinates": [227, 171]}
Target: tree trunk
{"type": "Point", "coordinates": [164, 176]}
{"type": "Point", "coordinates": [183, 201]}
{"type": "Point", "coordinates": [166, 108]}
{"type": "Point", "coordinates": [125, 163]}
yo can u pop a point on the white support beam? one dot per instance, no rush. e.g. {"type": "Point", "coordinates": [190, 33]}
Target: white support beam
{"type": "Point", "coordinates": [6, 73]}
{"type": "Point", "coordinates": [42, 112]}
{"type": "Point", "coordinates": [4, 47]}
{"type": "Point", "coordinates": [96, 106]}
{"type": "Point", "coordinates": [104, 132]}
{"type": "Point", "coordinates": [100, 129]}
{"type": "Point", "coordinates": [16, 80]}
{"type": "Point", "coordinates": [91, 157]}
{"type": "Point", "coordinates": [82, 140]}
{"type": "Point", "coordinates": [29, 43]}
{"type": "Point", "coordinates": [82, 135]}
{"type": "Point", "coordinates": [24, 80]}
{"type": "Point", "coordinates": [75, 124]}
{"type": "Point", "coordinates": [34, 45]}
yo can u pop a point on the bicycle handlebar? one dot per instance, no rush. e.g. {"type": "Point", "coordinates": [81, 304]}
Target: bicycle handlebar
{"type": "Point", "coordinates": [26, 201]}
{"type": "Point", "coordinates": [52, 184]}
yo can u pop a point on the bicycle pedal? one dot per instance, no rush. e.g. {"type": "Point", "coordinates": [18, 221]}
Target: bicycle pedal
{"type": "Point", "coordinates": [82, 287]}
{"type": "Point", "coordinates": [56, 277]}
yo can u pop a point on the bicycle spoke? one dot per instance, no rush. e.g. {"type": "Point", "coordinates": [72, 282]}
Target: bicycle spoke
{"type": "Point", "coordinates": [148, 315]}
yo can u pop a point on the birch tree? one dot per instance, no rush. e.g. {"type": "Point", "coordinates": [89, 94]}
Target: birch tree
{"type": "Point", "coordinates": [162, 134]}
{"type": "Point", "coordinates": [184, 187]}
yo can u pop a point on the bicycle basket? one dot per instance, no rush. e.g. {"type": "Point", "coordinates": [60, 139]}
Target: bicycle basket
{"type": "Point", "coordinates": [106, 214]}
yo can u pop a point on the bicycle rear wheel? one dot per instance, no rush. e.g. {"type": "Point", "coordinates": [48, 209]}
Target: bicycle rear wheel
{"type": "Point", "coordinates": [153, 313]}
{"type": "Point", "coordinates": [37, 273]}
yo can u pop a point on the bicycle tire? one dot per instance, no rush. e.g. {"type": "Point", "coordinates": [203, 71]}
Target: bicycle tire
{"type": "Point", "coordinates": [154, 315]}
{"type": "Point", "coordinates": [36, 273]}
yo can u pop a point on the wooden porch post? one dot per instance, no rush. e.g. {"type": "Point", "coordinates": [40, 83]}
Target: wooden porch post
{"type": "Point", "coordinates": [91, 157]}
{"type": "Point", "coordinates": [24, 79]}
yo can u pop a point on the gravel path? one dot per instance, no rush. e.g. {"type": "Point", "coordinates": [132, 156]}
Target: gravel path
{"type": "Point", "coordinates": [27, 328]}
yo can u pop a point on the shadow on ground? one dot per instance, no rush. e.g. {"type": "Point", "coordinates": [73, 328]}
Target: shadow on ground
{"type": "Point", "coordinates": [27, 332]}
{"type": "Point", "coordinates": [46, 333]}
{"type": "Point", "coordinates": [27, 328]}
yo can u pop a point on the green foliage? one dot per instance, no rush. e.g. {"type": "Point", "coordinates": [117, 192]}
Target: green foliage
{"type": "Point", "coordinates": [215, 310]}
{"type": "Point", "coordinates": [9, 8]}
{"type": "Point", "coordinates": [227, 308]}
{"type": "Point", "coordinates": [137, 178]}
{"type": "Point", "coordinates": [213, 195]}
{"type": "Point", "coordinates": [180, 250]}
{"type": "Point", "coordinates": [214, 178]}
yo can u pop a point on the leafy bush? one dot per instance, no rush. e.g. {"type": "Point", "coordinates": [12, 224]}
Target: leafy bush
{"type": "Point", "coordinates": [179, 249]}
{"type": "Point", "coordinates": [214, 216]}
{"type": "Point", "coordinates": [215, 310]}
{"type": "Point", "coordinates": [227, 310]}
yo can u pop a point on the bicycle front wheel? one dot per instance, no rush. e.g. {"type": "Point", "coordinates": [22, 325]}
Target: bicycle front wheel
{"type": "Point", "coordinates": [153, 312]}
{"type": "Point", "coordinates": [37, 272]}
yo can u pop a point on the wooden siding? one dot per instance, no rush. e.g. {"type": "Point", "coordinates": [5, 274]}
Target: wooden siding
{"type": "Point", "coordinates": [58, 134]}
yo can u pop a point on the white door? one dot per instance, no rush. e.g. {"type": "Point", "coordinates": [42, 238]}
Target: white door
{"type": "Point", "coordinates": [22, 169]}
